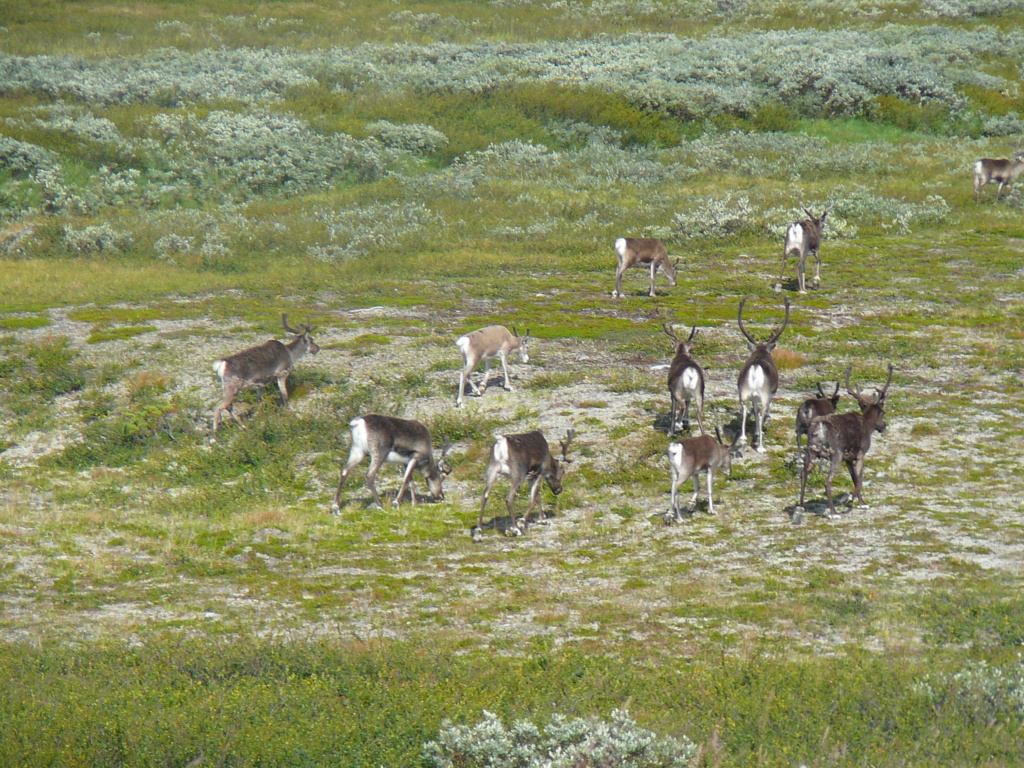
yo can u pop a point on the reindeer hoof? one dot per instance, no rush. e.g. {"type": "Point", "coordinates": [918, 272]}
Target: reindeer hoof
{"type": "Point", "coordinates": [335, 509]}
{"type": "Point", "coordinates": [778, 287]}
{"type": "Point", "coordinates": [476, 534]}
{"type": "Point", "coordinates": [798, 515]}
{"type": "Point", "coordinates": [761, 449]}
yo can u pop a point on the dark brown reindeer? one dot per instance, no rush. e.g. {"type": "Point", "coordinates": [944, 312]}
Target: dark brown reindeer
{"type": "Point", "coordinates": [845, 437]}
{"type": "Point", "coordinates": [688, 458]}
{"type": "Point", "coordinates": [642, 252]}
{"type": "Point", "coordinates": [822, 405]}
{"type": "Point", "coordinates": [993, 171]}
{"type": "Point", "coordinates": [685, 381]}
{"type": "Point", "coordinates": [802, 239]}
{"type": "Point", "coordinates": [759, 379]}
{"type": "Point", "coordinates": [519, 457]}
{"type": "Point", "coordinates": [397, 441]}
{"type": "Point", "coordinates": [258, 366]}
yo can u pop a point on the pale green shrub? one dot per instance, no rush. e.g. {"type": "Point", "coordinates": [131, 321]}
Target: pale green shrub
{"type": "Point", "coordinates": [92, 240]}
{"type": "Point", "coordinates": [981, 690]}
{"type": "Point", "coordinates": [411, 137]}
{"type": "Point", "coordinates": [563, 744]}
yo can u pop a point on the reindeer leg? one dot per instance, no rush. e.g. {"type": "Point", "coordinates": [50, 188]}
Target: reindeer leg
{"type": "Point", "coordinates": [817, 269]}
{"type": "Point", "coordinates": [371, 479]}
{"type": "Point", "coordinates": [801, 275]}
{"type": "Point", "coordinates": [782, 270]}
{"type": "Point", "coordinates": [617, 293]}
{"type": "Point", "coordinates": [700, 416]}
{"type": "Point", "coordinates": [504, 369]}
{"type": "Point", "coordinates": [487, 375]}
{"type": "Point", "coordinates": [534, 501]}
{"type": "Point", "coordinates": [510, 506]}
{"type": "Point", "coordinates": [654, 272]}
{"type": "Point", "coordinates": [686, 414]}
{"type": "Point", "coordinates": [856, 468]}
{"type": "Point", "coordinates": [828, 487]}
{"type": "Point", "coordinates": [283, 386]}
{"type": "Point", "coordinates": [354, 458]}
{"type": "Point", "coordinates": [406, 482]}
{"type": "Point", "coordinates": [676, 480]}
{"type": "Point", "coordinates": [743, 421]}
{"type": "Point", "coordinates": [759, 414]}
{"type": "Point", "coordinates": [711, 501]}
{"type": "Point", "coordinates": [696, 490]}
{"type": "Point", "coordinates": [490, 479]}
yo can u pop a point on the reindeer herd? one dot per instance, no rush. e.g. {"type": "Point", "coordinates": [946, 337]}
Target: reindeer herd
{"type": "Point", "coordinates": [832, 438]}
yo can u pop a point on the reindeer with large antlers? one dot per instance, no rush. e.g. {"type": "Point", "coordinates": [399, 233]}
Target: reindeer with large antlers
{"type": "Point", "coordinates": [845, 437]}
{"type": "Point", "coordinates": [822, 405]}
{"type": "Point", "coordinates": [258, 366]}
{"type": "Point", "coordinates": [387, 439]}
{"type": "Point", "coordinates": [685, 381]}
{"type": "Point", "coordinates": [642, 252]}
{"type": "Point", "coordinates": [519, 457]}
{"type": "Point", "coordinates": [802, 239]}
{"type": "Point", "coordinates": [759, 379]}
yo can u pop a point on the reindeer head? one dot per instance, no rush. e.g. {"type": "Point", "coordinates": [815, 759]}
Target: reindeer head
{"type": "Point", "coordinates": [735, 450]}
{"type": "Point", "coordinates": [833, 398]}
{"type": "Point", "coordinates": [524, 354]}
{"type": "Point", "coordinates": [440, 469]}
{"type": "Point", "coordinates": [554, 477]}
{"type": "Point", "coordinates": [688, 345]}
{"type": "Point", "coordinates": [872, 408]}
{"type": "Point", "coordinates": [302, 335]}
{"type": "Point", "coordinates": [769, 345]}
{"type": "Point", "coordinates": [671, 269]}
{"type": "Point", "coordinates": [818, 221]}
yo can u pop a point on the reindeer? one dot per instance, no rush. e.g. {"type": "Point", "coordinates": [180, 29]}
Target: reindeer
{"type": "Point", "coordinates": [641, 252]}
{"type": "Point", "coordinates": [397, 441]}
{"type": "Point", "coordinates": [685, 381]}
{"type": "Point", "coordinates": [804, 238]}
{"type": "Point", "coordinates": [688, 458]}
{"type": "Point", "coordinates": [257, 366]}
{"type": "Point", "coordinates": [519, 457]}
{"type": "Point", "coordinates": [846, 437]}
{"type": "Point", "coordinates": [822, 405]}
{"type": "Point", "coordinates": [759, 379]}
{"type": "Point", "coordinates": [1001, 172]}
{"type": "Point", "coordinates": [484, 344]}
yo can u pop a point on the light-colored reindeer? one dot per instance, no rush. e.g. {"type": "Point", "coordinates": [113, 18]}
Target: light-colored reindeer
{"type": "Point", "coordinates": [1001, 172]}
{"type": "Point", "coordinates": [387, 439]}
{"type": "Point", "coordinates": [688, 458]}
{"type": "Point", "coordinates": [802, 239]}
{"type": "Point", "coordinates": [519, 457]}
{"type": "Point", "coordinates": [258, 366]}
{"type": "Point", "coordinates": [759, 379]}
{"type": "Point", "coordinates": [642, 252]}
{"type": "Point", "coordinates": [486, 344]}
{"type": "Point", "coordinates": [685, 381]}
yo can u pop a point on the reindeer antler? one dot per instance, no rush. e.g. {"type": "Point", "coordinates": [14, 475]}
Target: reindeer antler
{"type": "Point", "coordinates": [740, 318]}
{"type": "Point", "coordinates": [284, 324]}
{"type": "Point", "coordinates": [778, 333]}
{"type": "Point", "coordinates": [883, 390]}
{"type": "Point", "coordinates": [671, 333]}
{"type": "Point", "coordinates": [569, 435]}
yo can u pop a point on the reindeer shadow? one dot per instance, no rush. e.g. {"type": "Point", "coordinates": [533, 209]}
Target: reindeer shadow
{"type": "Point", "coordinates": [388, 498]}
{"type": "Point", "coordinates": [503, 524]}
{"type": "Point", "coordinates": [495, 381]}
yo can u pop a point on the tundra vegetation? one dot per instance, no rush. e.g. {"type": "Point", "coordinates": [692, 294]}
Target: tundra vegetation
{"type": "Point", "coordinates": [175, 176]}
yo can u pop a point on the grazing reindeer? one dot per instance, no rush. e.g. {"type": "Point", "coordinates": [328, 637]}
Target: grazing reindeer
{"type": "Point", "coordinates": [1001, 172]}
{"type": "Point", "coordinates": [804, 238]}
{"type": "Point", "coordinates": [688, 458]}
{"type": "Point", "coordinates": [685, 381]}
{"type": "Point", "coordinates": [519, 457]}
{"type": "Point", "coordinates": [846, 438]}
{"type": "Point", "coordinates": [759, 379]}
{"type": "Point", "coordinates": [822, 405]}
{"type": "Point", "coordinates": [398, 441]}
{"type": "Point", "coordinates": [257, 366]}
{"type": "Point", "coordinates": [484, 344]}
{"type": "Point", "coordinates": [641, 252]}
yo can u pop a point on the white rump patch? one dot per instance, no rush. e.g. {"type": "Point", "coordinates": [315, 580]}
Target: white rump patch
{"type": "Point", "coordinates": [500, 453]}
{"type": "Point", "coordinates": [794, 237]}
{"type": "Point", "coordinates": [360, 436]}
{"type": "Point", "coordinates": [219, 367]}
{"type": "Point", "coordinates": [463, 344]}
{"type": "Point", "coordinates": [691, 380]}
{"type": "Point", "coordinates": [620, 247]}
{"type": "Point", "coordinates": [756, 380]}
{"type": "Point", "coordinates": [675, 454]}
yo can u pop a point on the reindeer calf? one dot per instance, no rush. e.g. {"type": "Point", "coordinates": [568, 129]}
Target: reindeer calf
{"type": "Point", "coordinates": [687, 458]}
{"type": "Point", "coordinates": [1001, 172]}
{"type": "Point", "coordinates": [486, 344]}
{"type": "Point", "coordinates": [822, 405]}
{"type": "Point", "coordinates": [685, 381]}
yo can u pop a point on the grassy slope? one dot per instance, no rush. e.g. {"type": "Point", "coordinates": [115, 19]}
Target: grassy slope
{"type": "Point", "coordinates": [133, 562]}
